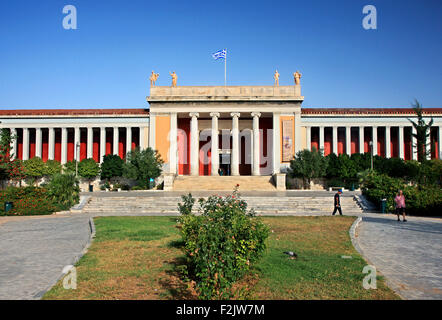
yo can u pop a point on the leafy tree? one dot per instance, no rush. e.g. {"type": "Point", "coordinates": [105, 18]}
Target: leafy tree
{"type": "Point", "coordinates": [63, 189]}
{"type": "Point", "coordinates": [16, 171]}
{"type": "Point", "coordinates": [35, 168]}
{"type": "Point", "coordinates": [362, 161]}
{"type": "Point", "coordinates": [341, 167]}
{"type": "Point", "coordinates": [70, 167]}
{"type": "Point", "coordinates": [5, 153]}
{"type": "Point", "coordinates": [88, 169]}
{"type": "Point", "coordinates": [111, 167]}
{"type": "Point", "coordinates": [422, 132]}
{"type": "Point", "coordinates": [142, 165]}
{"type": "Point", "coordinates": [308, 165]}
{"type": "Point", "coordinates": [52, 167]}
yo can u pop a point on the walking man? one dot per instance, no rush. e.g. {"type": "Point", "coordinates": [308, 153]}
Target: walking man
{"type": "Point", "coordinates": [338, 202]}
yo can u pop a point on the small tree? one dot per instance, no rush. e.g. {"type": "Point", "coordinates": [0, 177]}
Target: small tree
{"type": "Point", "coordinates": [88, 169]}
{"type": "Point", "coordinates": [35, 168]}
{"type": "Point", "coordinates": [52, 167]}
{"type": "Point", "coordinates": [70, 167]}
{"type": "Point", "coordinates": [142, 165]}
{"type": "Point", "coordinates": [422, 132]}
{"type": "Point", "coordinates": [5, 153]}
{"type": "Point", "coordinates": [16, 171]}
{"type": "Point", "coordinates": [111, 167]}
{"type": "Point", "coordinates": [308, 165]}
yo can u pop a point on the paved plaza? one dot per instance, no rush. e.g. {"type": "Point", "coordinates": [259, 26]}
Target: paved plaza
{"type": "Point", "coordinates": [408, 254]}
{"type": "Point", "coordinates": [34, 251]}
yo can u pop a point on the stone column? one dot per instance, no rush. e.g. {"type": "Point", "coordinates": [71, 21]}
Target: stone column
{"type": "Point", "coordinates": [116, 140]}
{"type": "Point", "coordinates": [413, 144]}
{"type": "Point", "coordinates": [321, 138]}
{"type": "Point", "coordinates": [51, 144]}
{"type": "Point", "coordinates": [387, 142]}
{"type": "Point", "coordinates": [401, 142]}
{"type": "Point", "coordinates": [309, 137]}
{"type": "Point", "coordinates": [234, 163]}
{"type": "Point", "coordinates": [375, 140]}
{"type": "Point", "coordinates": [64, 145]}
{"type": "Point", "coordinates": [439, 142]}
{"type": "Point", "coordinates": [77, 144]}
{"type": "Point", "coordinates": [25, 144]}
{"type": "Point", "coordinates": [90, 142]}
{"type": "Point", "coordinates": [276, 161]}
{"type": "Point", "coordinates": [335, 140]}
{"type": "Point", "coordinates": [173, 145]}
{"type": "Point", "coordinates": [102, 143]}
{"type": "Point", "coordinates": [276, 140]}
{"type": "Point", "coordinates": [361, 139]}
{"type": "Point", "coordinates": [194, 144]}
{"type": "Point", "coordinates": [13, 145]}
{"type": "Point", "coordinates": [143, 140]}
{"type": "Point", "coordinates": [38, 142]}
{"type": "Point", "coordinates": [214, 144]}
{"type": "Point", "coordinates": [348, 140]}
{"type": "Point", "coordinates": [256, 145]}
{"type": "Point", "coordinates": [128, 140]}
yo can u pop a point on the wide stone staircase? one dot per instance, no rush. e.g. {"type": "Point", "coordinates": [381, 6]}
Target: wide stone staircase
{"type": "Point", "coordinates": [223, 183]}
{"type": "Point", "coordinates": [263, 205]}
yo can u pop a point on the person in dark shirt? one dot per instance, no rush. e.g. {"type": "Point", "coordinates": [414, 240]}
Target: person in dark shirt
{"type": "Point", "coordinates": [338, 202]}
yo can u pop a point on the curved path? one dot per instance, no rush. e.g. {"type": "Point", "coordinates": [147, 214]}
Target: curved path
{"type": "Point", "coordinates": [408, 254]}
{"type": "Point", "coordinates": [34, 251]}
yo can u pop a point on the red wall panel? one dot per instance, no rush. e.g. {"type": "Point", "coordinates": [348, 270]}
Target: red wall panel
{"type": "Point", "coordinates": [57, 147]}
{"type": "Point", "coordinates": [31, 143]}
{"type": "Point", "coordinates": [83, 143]}
{"type": "Point", "coordinates": [328, 141]}
{"type": "Point", "coordinates": [96, 144]}
{"type": "Point", "coordinates": [44, 145]}
{"type": "Point", "coordinates": [183, 146]}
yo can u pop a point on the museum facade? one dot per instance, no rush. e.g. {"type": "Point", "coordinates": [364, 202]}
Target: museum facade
{"type": "Point", "coordinates": [218, 130]}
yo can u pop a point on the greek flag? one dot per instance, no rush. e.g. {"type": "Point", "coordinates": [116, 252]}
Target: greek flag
{"type": "Point", "coordinates": [221, 54]}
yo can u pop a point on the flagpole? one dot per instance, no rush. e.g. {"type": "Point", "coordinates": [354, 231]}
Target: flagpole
{"type": "Point", "coordinates": [225, 70]}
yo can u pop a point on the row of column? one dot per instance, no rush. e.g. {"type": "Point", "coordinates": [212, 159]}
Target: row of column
{"type": "Point", "coordinates": [64, 142]}
{"type": "Point", "coordinates": [194, 144]}
{"type": "Point", "coordinates": [374, 140]}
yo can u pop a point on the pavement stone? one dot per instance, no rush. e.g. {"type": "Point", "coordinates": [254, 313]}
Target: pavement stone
{"type": "Point", "coordinates": [33, 253]}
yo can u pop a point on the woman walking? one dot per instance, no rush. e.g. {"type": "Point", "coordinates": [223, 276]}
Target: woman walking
{"type": "Point", "coordinates": [400, 205]}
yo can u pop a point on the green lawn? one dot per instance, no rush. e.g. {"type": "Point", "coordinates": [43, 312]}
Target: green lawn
{"type": "Point", "coordinates": [138, 258]}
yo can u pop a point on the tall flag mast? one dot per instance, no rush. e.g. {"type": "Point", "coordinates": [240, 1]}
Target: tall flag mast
{"type": "Point", "coordinates": [222, 54]}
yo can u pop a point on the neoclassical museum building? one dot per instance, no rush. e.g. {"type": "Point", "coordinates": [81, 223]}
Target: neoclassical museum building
{"type": "Point", "coordinates": [212, 130]}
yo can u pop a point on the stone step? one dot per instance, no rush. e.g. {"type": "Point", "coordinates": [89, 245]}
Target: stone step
{"type": "Point", "coordinates": [262, 205]}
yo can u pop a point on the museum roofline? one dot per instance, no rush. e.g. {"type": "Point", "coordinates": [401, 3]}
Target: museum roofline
{"type": "Point", "coordinates": [145, 111]}
{"type": "Point", "coordinates": [367, 111]}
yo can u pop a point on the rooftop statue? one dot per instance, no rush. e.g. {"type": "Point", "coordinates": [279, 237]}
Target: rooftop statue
{"type": "Point", "coordinates": [297, 75]}
{"type": "Point", "coordinates": [174, 78]}
{"type": "Point", "coordinates": [276, 77]}
{"type": "Point", "coordinates": [153, 78]}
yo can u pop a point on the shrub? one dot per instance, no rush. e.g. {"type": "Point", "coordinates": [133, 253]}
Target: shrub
{"type": "Point", "coordinates": [88, 169]}
{"type": "Point", "coordinates": [35, 168]}
{"type": "Point", "coordinates": [221, 244]}
{"type": "Point", "coordinates": [52, 167]}
{"type": "Point", "coordinates": [308, 165]}
{"type": "Point", "coordinates": [27, 201]}
{"type": "Point", "coordinates": [70, 167]}
{"type": "Point", "coordinates": [111, 167]}
{"type": "Point", "coordinates": [419, 200]}
{"type": "Point", "coordinates": [142, 165]}
{"type": "Point", "coordinates": [63, 190]}
{"type": "Point", "coordinates": [341, 167]}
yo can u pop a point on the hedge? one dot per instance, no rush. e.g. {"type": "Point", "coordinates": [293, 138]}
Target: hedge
{"type": "Point", "coordinates": [27, 201]}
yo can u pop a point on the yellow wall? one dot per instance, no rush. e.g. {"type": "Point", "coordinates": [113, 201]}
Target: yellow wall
{"type": "Point", "coordinates": [162, 129]}
{"type": "Point", "coordinates": [285, 118]}
{"type": "Point", "coordinates": [303, 138]}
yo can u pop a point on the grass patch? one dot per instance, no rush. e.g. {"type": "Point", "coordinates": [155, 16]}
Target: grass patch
{"type": "Point", "coordinates": [139, 258]}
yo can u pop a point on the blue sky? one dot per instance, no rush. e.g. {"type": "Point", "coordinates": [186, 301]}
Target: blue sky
{"type": "Point", "coordinates": [106, 62]}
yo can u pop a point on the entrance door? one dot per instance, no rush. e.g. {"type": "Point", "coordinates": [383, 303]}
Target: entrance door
{"type": "Point", "coordinates": [224, 164]}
